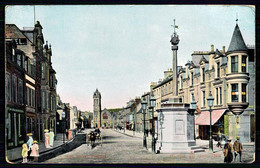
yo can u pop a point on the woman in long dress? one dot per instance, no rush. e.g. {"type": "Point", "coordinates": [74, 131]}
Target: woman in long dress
{"type": "Point", "coordinates": [51, 136]}
{"type": "Point", "coordinates": [47, 139]}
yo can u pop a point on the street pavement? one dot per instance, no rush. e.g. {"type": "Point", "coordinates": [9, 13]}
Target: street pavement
{"type": "Point", "coordinates": [120, 148]}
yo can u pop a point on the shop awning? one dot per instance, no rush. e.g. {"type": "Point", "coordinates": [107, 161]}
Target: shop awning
{"type": "Point", "coordinates": [203, 118]}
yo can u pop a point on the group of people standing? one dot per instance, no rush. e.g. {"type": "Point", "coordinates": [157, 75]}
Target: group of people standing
{"type": "Point", "coordinates": [31, 148]}
{"type": "Point", "coordinates": [49, 138]}
{"type": "Point", "coordinates": [229, 148]}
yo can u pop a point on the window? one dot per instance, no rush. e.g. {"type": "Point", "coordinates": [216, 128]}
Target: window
{"type": "Point", "coordinates": [13, 55]}
{"type": "Point", "coordinates": [234, 63]}
{"type": "Point", "coordinates": [220, 95]}
{"type": "Point", "coordinates": [33, 98]}
{"type": "Point", "coordinates": [23, 41]}
{"type": "Point", "coordinates": [216, 95]}
{"type": "Point", "coordinates": [218, 69]}
{"type": "Point", "coordinates": [234, 92]}
{"type": "Point", "coordinates": [203, 74]}
{"type": "Point", "coordinates": [181, 82]}
{"type": "Point", "coordinates": [14, 88]}
{"type": "Point", "coordinates": [43, 99]}
{"type": "Point", "coordinates": [105, 116]}
{"type": "Point", "coordinates": [244, 92]}
{"type": "Point", "coordinates": [191, 78]}
{"type": "Point", "coordinates": [19, 125]}
{"type": "Point", "coordinates": [19, 59]}
{"type": "Point", "coordinates": [192, 97]}
{"type": "Point", "coordinates": [43, 76]}
{"type": "Point", "coordinates": [203, 99]}
{"type": "Point", "coordinates": [243, 68]}
{"type": "Point", "coordinates": [26, 64]}
{"type": "Point", "coordinates": [9, 126]}
{"type": "Point", "coordinates": [8, 87]}
{"type": "Point", "coordinates": [20, 91]}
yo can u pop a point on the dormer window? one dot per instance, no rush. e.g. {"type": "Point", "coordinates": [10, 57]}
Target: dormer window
{"type": "Point", "coordinates": [234, 63]}
{"type": "Point", "coordinates": [218, 69]}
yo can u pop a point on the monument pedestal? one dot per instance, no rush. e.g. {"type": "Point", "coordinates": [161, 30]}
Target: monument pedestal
{"type": "Point", "coordinates": [176, 129]}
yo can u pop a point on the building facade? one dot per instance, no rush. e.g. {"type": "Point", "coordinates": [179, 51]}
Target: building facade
{"type": "Point", "coordinates": [228, 75]}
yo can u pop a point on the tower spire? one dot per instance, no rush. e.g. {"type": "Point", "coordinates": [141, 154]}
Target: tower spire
{"type": "Point", "coordinates": [236, 18]}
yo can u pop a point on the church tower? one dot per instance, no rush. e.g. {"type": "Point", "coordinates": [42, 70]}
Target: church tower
{"type": "Point", "coordinates": [97, 109]}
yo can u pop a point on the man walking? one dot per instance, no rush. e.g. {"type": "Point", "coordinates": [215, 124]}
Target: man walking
{"type": "Point", "coordinates": [238, 148]}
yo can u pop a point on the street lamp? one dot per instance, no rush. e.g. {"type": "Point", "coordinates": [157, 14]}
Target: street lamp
{"type": "Point", "coordinates": [152, 105]}
{"type": "Point", "coordinates": [144, 104]}
{"type": "Point", "coordinates": [210, 101]}
{"type": "Point", "coordinates": [63, 121]}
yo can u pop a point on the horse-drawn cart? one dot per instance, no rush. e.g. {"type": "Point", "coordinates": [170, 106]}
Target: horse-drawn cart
{"type": "Point", "coordinates": [92, 137]}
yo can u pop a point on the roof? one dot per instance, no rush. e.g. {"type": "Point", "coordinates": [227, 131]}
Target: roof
{"type": "Point", "coordinates": [169, 78]}
{"type": "Point", "coordinates": [12, 31]}
{"type": "Point", "coordinates": [203, 118]}
{"type": "Point", "coordinates": [97, 94]}
{"type": "Point", "coordinates": [237, 42]}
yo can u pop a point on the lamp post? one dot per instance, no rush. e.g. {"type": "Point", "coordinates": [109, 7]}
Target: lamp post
{"type": "Point", "coordinates": [152, 105]}
{"type": "Point", "coordinates": [144, 104]}
{"type": "Point", "coordinates": [210, 101]}
{"type": "Point", "coordinates": [63, 121]}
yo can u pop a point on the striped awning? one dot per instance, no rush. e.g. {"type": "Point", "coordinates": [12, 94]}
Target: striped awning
{"type": "Point", "coordinates": [203, 118]}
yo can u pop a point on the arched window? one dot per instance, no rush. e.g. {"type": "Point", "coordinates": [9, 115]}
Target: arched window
{"type": "Point", "coordinates": [105, 116]}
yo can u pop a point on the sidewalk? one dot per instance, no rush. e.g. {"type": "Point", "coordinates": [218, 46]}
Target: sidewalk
{"type": "Point", "coordinates": [13, 155]}
{"type": "Point", "coordinates": [202, 143]}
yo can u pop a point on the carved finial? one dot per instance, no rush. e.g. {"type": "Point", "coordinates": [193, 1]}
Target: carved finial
{"type": "Point", "coordinates": [46, 42]}
{"type": "Point", "coordinates": [50, 45]}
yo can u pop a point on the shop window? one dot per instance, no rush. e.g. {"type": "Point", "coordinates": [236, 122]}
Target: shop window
{"type": "Point", "coordinates": [234, 63]}
{"type": "Point", "coordinates": [244, 92]}
{"type": "Point", "coordinates": [234, 92]}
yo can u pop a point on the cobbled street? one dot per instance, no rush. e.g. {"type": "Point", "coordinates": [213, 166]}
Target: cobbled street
{"type": "Point", "coordinates": [119, 148]}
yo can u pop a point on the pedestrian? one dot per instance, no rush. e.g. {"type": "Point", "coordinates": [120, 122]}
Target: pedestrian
{"type": "Point", "coordinates": [29, 145]}
{"type": "Point", "coordinates": [47, 138]}
{"type": "Point", "coordinates": [219, 140]}
{"type": "Point", "coordinates": [35, 151]}
{"type": "Point", "coordinates": [238, 148]}
{"type": "Point", "coordinates": [24, 153]}
{"type": "Point", "coordinates": [92, 139]}
{"type": "Point", "coordinates": [51, 135]}
{"type": "Point", "coordinates": [228, 151]}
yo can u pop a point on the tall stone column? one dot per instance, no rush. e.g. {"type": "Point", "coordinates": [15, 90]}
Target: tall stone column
{"type": "Point", "coordinates": [174, 41]}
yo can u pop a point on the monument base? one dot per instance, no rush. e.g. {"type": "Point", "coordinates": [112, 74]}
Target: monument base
{"type": "Point", "coordinates": [176, 131]}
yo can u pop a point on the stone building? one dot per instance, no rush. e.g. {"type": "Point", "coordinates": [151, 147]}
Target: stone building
{"type": "Point", "coordinates": [15, 116]}
{"type": "Point", "coordinates": [229, 76]}
{"type": "Point", "coordinates": [97, 109]}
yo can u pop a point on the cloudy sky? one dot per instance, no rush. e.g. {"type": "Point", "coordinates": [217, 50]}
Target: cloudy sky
{"type": "Point", "coordinates": [120, 49]}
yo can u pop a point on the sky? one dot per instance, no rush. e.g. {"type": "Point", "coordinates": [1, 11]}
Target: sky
{"type": "Point", "coordinates": [121, 49]}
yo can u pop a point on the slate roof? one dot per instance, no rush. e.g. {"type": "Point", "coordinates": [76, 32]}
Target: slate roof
{"type": "Point", "coordinates": [12, 31]}
{"type": "Point", "coordinates": [237, 42]}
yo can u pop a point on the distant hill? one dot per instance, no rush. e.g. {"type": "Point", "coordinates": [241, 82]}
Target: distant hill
{"type": "Point", "coordinates": [115, 110]}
